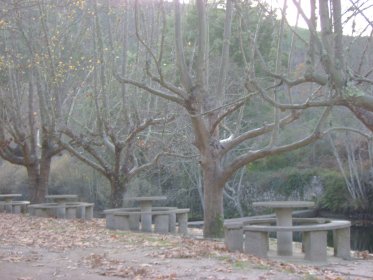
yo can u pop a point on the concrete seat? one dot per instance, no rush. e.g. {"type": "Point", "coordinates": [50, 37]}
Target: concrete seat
{"type": "Point", "coordinates": [121, 220]}
{"type": "Point", "coordinates": [110, 219]}
{"type": "Point", "coordinates": [70, 210]}
{"type": "Point", "coordinates": [164, 219]}
{"type": "Point", "coordinates": [42, 210]}
{"type": "Point", "coordinates": [182, 220]}
{"type": "Point", "coordinates": [15, 207]}
{"type": "Point", "coordinates": [233, 236]}
{"type": "Point", "coordinates": [161, 221]}
{"type": "Point", "coordinates": [314, 238]}
{"type": "Point", "coordinates": [129, 220]}
{"type": "Point", "coordinates": [233, 232]}
{"type": "Point", "coordinates": [83, 210]}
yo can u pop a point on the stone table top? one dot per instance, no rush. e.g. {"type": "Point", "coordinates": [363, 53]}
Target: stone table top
{"type": "Point", "coordinates": [10, 196]}
{"type": "Point", "coordinates": [284, 204]}
{"type": "Point", "coordinates": [145, 198]}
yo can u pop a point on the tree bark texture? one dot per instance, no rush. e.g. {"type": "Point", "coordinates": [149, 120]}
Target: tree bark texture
{"type": "Point", "coordinates": [213, 215]}
{"type": "Point", "coordinates": [38, 178]}
{"type": "Point", "coordinates": [117, 192]}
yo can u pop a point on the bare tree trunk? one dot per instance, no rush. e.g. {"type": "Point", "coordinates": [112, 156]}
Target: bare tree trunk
{"type": "Point", "coordinates": [38, 177]}
{"type": "Point", "coordinates": [213, 215]}
{"type": "Point", "coordinates": [117, 192]}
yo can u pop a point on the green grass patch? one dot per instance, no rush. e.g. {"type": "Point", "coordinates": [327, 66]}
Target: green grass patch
{"type": "Point", "coordinates": [236, 264]}
{"type": "Point", "coordinates": [262, 266]}
{"type": "Point", "coordinates": [310, 277]}
{"type": "Point", "coordinates": [240, 265]}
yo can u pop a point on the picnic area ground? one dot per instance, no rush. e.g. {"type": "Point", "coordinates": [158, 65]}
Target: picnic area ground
{"type": "Point", "coordinates": [34, 248]}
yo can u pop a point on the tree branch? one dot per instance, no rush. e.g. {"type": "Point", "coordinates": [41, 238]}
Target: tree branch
{"type": "Point", "coordinates": [229, 145]}
{"type": "Point", "coordinates": [251, 156]}
{"type": "Point", "coordinates": [86, 147]}
{"type": "Point", "coordinates": [180, 57]}
{"type": "Point", "coordinates": [156, 92]}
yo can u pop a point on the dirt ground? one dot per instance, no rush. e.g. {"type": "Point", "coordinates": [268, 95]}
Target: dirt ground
{"type": "Point", "coordinates": [40, 249]}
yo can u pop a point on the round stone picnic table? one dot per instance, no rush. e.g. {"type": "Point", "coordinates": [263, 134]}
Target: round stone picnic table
{"type": "Point", "coordinates": [146, 203]}
{"type": "Point", "coordinates": [61, 198]}
{"type": "Point", "coordinates": [283, 211]}
{"type": "Point", "coordinates": [9, 197]}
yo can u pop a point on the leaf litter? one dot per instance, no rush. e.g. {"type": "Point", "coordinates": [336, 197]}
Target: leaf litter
{"type": "Point", "coordinates": [59, 235]}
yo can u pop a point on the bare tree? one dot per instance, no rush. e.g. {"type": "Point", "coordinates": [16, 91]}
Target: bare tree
{"type": "Point", "coordinates": [116, 137]}
{"type": "Point", "coordinates": [36, 78]}
{"type": "Point", "coordinates": [205, 99]}
{"type": "Point", "coordinates": [330, 62]}
{"type": "Point", "coordinates": [338, 64]}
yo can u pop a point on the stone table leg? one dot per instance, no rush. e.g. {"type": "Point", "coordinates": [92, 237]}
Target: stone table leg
{"type": "Point", "coordinates": [146, 218]}
{"type": "Point", "coordinates": [284, 239]}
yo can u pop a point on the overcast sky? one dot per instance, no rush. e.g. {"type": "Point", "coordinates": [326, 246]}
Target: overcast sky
{"type": "Point", "coordinates": [360, 22]}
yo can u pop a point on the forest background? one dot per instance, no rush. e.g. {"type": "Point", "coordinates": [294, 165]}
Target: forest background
{"type": "Point", "coordinates": [211, 104]}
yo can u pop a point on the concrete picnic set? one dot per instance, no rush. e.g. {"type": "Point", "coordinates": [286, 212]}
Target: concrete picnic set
{"type": "Point", "coordinates": [9, 205]}
{"type": "Point", "coordinates": [142, 218]}
{"type": "Point", "coordinates": [62, 206]}
{"type": "Point", "coordinates": [251, 235]}
{"type": "Point", "coordinates": [165, 219]}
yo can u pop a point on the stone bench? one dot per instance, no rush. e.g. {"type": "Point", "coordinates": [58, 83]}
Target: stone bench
{"type": "Point", "coordinates": [15, 207]}
{"type": "Point", "coordinates": [233, 232]}
{"type": "Point", "coordinates": [182, 220]}
{"type": "Point", "coordinates": [233, 236]}
{"type": "Point", "coordinates": [164, 218]}
{"type": "Point", "coordinates": [314, 237]}
{"type": "Point", "coordinates": [134, 214]}
{"type": "Point", "coordinates": [70, 210]}
{"type": "Point", "coordinates": [109, 216]}
{"type": "Point", "coordinates": [84, 210]}
{"type": "Point", "coordinates": [130, 221]}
